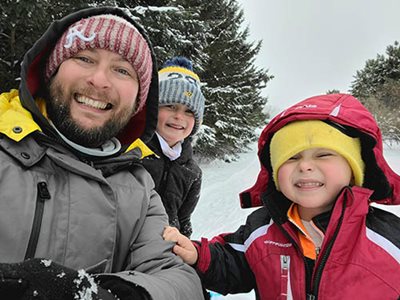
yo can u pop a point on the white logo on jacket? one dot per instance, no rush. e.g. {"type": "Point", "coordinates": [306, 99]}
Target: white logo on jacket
{"type": "Point", "coordinates": [287, 245]}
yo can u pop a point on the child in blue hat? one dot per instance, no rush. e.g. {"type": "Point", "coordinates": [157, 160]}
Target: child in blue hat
{"type": "Point", "coordinates": [176, 175]}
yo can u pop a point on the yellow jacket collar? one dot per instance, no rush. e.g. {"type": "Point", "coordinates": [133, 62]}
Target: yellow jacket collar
{"type": "Point", "coordinates": [15, 121]}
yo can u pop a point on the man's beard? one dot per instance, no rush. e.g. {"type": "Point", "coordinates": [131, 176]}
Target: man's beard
{"type": "Point", "coordinates": [59, 112]}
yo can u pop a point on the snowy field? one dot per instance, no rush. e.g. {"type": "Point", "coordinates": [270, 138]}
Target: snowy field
{"type": "Point", "coordinates": [219, 208]}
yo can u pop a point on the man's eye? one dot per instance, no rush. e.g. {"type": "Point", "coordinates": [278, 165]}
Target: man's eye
{"type": "Point", "coordinates": [123, 71]}
{"type": "Point", "coordinates": [83, 58]}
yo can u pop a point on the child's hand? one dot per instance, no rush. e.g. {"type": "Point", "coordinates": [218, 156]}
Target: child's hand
{"type": "Point", "coordinates": [184, 247]}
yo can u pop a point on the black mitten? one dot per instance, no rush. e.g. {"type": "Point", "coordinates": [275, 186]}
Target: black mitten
{"type": "Point", "coordinates": [11, 288]}
{"type": "Point", "coordinates": [124, 290]}
{"type": "Point", "coordinates": [43, 279]}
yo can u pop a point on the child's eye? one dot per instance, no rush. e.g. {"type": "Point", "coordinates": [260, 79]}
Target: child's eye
{"type": "Point", "coordinates": [189, 112]}
{"type": "Point", "coordinates": [325, 154]}
{"type": "Point", "coordinates": [294, 157]}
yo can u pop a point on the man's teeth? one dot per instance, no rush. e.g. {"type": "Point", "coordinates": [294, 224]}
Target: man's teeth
{"type": "Point", "coordinates": [93, 103]}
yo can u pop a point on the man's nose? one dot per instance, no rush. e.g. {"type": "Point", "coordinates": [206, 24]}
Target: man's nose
{"type": "Point", "coordinates": [99, 78]}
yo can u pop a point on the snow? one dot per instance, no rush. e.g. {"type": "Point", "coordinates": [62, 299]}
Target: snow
{"type": "Point", "coordinates": [219, 209]}
{"type": "Point", "coordinates": [86, 286]}
{"type": "Point", "coordinates": [142, 9]}
{"type": "Point", "coordinates": [46, 262]}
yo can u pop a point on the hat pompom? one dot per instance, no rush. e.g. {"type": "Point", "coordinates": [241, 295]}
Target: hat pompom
{"type": "Point", "coordinates": [179, 61]}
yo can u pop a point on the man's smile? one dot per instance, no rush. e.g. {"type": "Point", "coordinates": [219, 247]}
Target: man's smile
{"type": "Point", "coordinates": [92, 103]}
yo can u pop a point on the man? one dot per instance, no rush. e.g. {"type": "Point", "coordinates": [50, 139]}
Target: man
{"type": "Point", "coordinates": [79, 217]}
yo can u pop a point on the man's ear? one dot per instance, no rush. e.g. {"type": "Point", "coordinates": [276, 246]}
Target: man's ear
{"type": "Point", "coordinates": [135, 109]}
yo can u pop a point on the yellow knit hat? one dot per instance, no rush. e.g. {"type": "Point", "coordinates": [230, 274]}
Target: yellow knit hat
{"type": "Point", "coordinates": [301, 135]}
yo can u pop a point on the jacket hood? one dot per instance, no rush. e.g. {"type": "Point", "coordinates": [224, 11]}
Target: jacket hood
{"type": "Point", "coordinates": [141, 125]}
{"type": "Point", "coordinates": [341, 109]}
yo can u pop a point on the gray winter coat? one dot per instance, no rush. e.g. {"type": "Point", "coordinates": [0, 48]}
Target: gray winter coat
{"type": "Point", "coordinates": [101, 215]}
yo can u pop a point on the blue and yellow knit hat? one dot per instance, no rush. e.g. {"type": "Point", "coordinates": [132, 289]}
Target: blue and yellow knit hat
{"type": "Point", "coordinates": [301, 135]}
{"type": "Point", "coordinates": [180, 85]}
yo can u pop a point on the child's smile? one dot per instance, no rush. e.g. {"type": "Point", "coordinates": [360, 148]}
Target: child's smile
{"type": "Point", "coordinates": [313, 178]}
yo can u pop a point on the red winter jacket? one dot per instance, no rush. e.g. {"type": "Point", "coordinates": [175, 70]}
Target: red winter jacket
{"type": "Point", "coordinates": [360, 254]}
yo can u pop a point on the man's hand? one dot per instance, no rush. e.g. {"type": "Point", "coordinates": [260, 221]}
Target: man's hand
{"type": "Point", "coordinates": [184, 246]}
{"type": "Point", "coordinates": [43, 279]}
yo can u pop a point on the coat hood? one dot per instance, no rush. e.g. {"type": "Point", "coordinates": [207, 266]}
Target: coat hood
{"type": "Point", "coordinates": [141, 125]}
{"type": "Point", "coordinates": [347, 111]}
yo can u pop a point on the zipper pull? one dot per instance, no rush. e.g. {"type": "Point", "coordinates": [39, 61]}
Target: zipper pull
{"type": "Point", "coordinates": [43, 192]}
{"type": "Point", "coordinates": [284, 262]}
{"type": "Point", "coordinates": [317, 251]}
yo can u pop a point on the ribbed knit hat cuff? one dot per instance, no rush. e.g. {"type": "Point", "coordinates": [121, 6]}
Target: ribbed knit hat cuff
{"type": "Point", "coordinates": [302, 135]}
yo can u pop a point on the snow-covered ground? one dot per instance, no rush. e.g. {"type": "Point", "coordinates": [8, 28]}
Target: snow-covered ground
{"type": "Point", "coordinates": [219, 209]}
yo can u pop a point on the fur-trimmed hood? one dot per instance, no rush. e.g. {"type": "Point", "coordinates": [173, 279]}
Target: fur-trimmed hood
{"type": "Point", "coordinates": [347, 111]}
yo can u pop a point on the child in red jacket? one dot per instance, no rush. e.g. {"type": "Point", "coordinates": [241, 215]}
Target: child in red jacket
{"type": "Point", "coordinates": [316, 236]}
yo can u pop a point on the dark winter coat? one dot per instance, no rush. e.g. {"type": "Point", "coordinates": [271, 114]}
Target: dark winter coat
{"type": "Point", "coordinates": [178, 183]}
{"type": "Point", "coordinates": [360, 253]}
{"type": "Point", "coordinates": [102, 214]}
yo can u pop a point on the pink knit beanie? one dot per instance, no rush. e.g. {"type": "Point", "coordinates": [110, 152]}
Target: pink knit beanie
{"type": "Point", "coordinates": [111, 33]}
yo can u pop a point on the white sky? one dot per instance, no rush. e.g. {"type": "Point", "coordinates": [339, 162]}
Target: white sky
{"type": "Point", "coordinates": [312, 46]}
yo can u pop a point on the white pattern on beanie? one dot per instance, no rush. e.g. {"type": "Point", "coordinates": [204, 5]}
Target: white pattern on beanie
{"type": "Point", "coordinates": [111, 33]}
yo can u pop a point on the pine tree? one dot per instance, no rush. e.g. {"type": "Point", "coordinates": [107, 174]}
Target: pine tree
{"type": "Point", "coordinates": [233, 87]}
{"type": "Point", "coordinates": [174, 30]}
{"type": "Point", "coordinates": [21, 25]}
{"type": "Point", "coordinates": [334, 91]}
{"type": "Point", "coordinates": [377, 86]}
{"type": "Point", "coordinates": [208, 33]}
{"type": "Point", "coordinates": [376, 72]}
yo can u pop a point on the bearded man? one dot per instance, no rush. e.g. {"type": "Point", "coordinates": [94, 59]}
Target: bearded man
{"type": "Point", "coordinates": [79, 217]}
